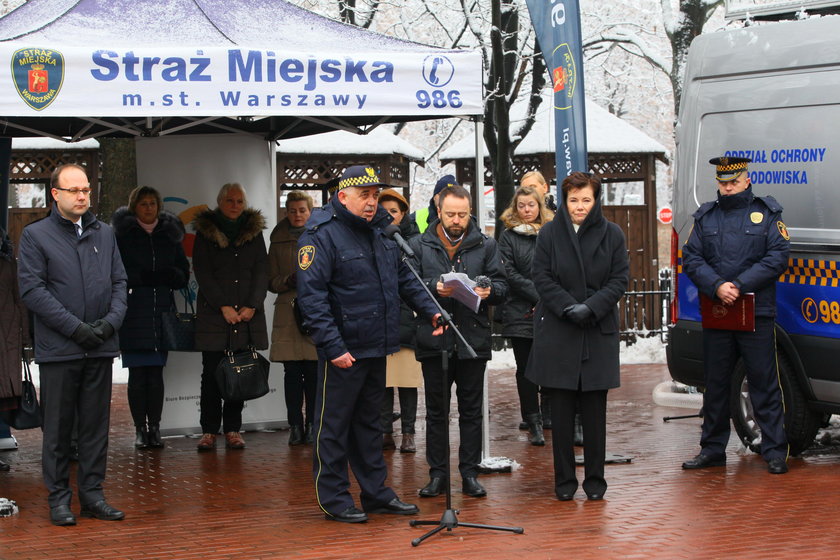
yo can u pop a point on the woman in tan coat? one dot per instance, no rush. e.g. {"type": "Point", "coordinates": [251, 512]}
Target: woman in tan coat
{"type": "Point", "coordinates": [288, 344]}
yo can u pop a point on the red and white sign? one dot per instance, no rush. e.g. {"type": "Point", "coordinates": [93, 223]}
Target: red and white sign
{"type": "Point", "coordinates": [665, 215]}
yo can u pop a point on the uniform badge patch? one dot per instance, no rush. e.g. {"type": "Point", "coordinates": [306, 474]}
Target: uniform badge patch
{"type": "Point", "coordinates": [306, 255]}
{"type": "Point", "coordinates": [756, 217]}
{"type": "Point", "coordinates": [783, 230]}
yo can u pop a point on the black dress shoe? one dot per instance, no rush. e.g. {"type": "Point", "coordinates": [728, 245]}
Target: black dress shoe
{"type": "Point", "coordinates": [702, 461]}
{"type": "Point", "coordinates": [397, 507]}
{"type": "Point", "coordinates": [349, 515]}
{"type": "Point", "coordinates": [62, 516]}
{"type": "Point", "coordinates": [308, 435]}
{"type": "Point", "coordinates": [101, 510]}
{"type": "Point", "coordinates": [471, 487]}
{"type": "Point", "coordinates": [434, 488]}
{"type": "Point", "coordinates": [565, 497]}
{"type": "Point", "coordinates": [595, 497]}
{"type": "Point", "coordinates": [777, 465]}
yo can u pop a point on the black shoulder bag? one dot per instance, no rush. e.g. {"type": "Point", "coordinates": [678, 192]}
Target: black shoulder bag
{"type": "Point", "coordinates": [242, 375]}
{"type": "Point", "coordinates": [28, 413]}
{"type": "Point", "coordinates": [178, 328]}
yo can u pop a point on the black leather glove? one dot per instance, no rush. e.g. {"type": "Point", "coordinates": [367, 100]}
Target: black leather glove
{"type": "Point", "coordinates": [291, 280]}
{"type": "Point", "coordinates": [580, 314]}
{"type": "Point", "coordinates": [102, 329]}
{"type": "Point", "coordinates": [86, 337]}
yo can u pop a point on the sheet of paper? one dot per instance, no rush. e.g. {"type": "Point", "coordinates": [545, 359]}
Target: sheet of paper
{"type": "Point", "coordinates": [463, 287]}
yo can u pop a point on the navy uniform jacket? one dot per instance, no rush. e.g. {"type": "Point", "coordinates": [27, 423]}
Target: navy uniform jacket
{"type": "Point", "coordinates": [740, 239]}
{"type": "Point", "coordinates": [350, 280]}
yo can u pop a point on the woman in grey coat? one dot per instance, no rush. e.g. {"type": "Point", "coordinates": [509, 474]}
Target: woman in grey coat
{"type": "Point", "coordinates": [580, 270]}
{"type": "Point", "coordinates": [231, 268]}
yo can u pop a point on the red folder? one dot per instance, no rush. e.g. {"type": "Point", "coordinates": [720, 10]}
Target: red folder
{"type": "Point", "coordinates": [740, 316]}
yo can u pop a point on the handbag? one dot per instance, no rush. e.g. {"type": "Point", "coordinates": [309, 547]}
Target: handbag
{"type": "Point", "coordinates": [242, 375]}
{"type": "Point", "coordinates": [178, 328]}
{"type": "Point", "coordinates": [28, 413]}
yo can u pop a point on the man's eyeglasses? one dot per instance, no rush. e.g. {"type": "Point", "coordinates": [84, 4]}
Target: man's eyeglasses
{"type": "Point", "coordinates": [76, 191]}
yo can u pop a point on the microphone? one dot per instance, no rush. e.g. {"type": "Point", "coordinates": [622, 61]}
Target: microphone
{"type": "Point", "coordinates": [393, 232]}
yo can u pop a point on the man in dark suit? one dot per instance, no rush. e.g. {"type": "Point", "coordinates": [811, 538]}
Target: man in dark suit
{"type": "Point", "coordinates": [72, 278]}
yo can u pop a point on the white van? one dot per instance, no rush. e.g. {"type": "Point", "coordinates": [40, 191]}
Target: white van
{"type": "Point", "coordinates": [769, 92]}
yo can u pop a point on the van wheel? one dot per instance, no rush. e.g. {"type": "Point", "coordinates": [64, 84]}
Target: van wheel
{"type": "Point", "coordinates": [801, 423]}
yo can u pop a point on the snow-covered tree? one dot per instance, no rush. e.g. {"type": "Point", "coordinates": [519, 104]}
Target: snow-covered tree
{"type": "Point", "coordinates": [682, 21]}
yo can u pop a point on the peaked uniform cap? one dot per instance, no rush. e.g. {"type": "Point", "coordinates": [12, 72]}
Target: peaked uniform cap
{"type": "Point", "coordinates": [360, 176]}
{"type": "Point", "coordinates": [729, 168]}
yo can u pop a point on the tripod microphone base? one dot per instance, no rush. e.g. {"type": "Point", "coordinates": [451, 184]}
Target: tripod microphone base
{"type": "Point", "coordinates": [449, 520]}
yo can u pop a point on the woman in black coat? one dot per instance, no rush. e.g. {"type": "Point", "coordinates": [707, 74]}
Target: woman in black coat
{"type": "Point", "coordinates": [523, 219]}
{"type": "Point", "coordinates": [149, 240]}
{"type": "Point", "coordinates": [580, 271]}
{"type": "Point", "coordinates": [231, 268]}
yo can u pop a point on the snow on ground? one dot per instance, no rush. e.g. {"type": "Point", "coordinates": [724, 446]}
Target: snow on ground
{"type": "Point", "coordinates": [643, 351]}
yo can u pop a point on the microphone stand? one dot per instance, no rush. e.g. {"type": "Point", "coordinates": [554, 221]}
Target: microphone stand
{"type": "Point", "coordinates": [449, 519]}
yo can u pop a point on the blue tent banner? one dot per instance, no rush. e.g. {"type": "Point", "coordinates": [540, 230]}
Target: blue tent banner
{"type": "Point", "coordinates": [557, 25]}
{"type": "Point", "coordinates": [50, 80]}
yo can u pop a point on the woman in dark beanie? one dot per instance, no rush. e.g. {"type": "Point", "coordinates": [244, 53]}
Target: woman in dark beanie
{"type": "Point", "coordinates": [149, 240]}
{"type": "Point", "coordinates": [231, 267]}
{"type": "Point", "coordinates": [580, 271]}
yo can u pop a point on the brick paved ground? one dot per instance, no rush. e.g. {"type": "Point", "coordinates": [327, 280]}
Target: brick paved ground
{"type": "Point", "coordinates": [259, 503]}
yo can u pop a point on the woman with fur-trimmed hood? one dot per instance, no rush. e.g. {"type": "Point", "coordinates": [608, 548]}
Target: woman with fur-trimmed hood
{"type": "Point", "coordinates": [231, 266]}
{"type": "Point", "coordinates": [149, 240]}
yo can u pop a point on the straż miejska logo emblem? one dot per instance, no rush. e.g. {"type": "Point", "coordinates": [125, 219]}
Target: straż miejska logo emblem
{"type": "Point", "coordinates": [38, 74]}
{"type": "Point", "coordinates": [563, 76]}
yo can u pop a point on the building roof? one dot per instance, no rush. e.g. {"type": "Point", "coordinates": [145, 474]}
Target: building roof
{"type": "Point", "coordinates": [605, 134]}
{"type": "Point", "coordinates": [377, 142]}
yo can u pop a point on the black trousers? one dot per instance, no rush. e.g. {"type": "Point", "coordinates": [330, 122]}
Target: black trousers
{"type": "Point", "coordinates": [299, 387]}
{"type": "Point", "coordinates": [145, 394]}
{"type": "Point", "coordinates": [347, 431]}
{"type": "Point", "coordinates": [528, 390]}
{"type": "Point", "coordinates": [758, 351]}
{"type": "Point", "coordinates": [214, 412]}
{"type": "Point", "coordinates": [80, 390]}
{"type": "Point", "coordinates": [593, 417]}
{"type": "Point", "coordinates": [468, 375]}
{"type": "Point", "coordinates": [408, 409]}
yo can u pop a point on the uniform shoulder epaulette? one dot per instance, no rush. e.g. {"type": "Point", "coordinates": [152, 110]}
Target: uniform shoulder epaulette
{"type": "Point", "coordinates": [771, 203]}
{"type": "Point", "coordinates": [705, 207]}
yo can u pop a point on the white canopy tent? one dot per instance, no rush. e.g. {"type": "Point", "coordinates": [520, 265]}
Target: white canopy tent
{"type": "Point", "coordinates": [206, 87]}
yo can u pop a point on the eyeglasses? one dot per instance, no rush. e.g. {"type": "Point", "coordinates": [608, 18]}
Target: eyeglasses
{"type": "Point", "coordinates": [76, 191]}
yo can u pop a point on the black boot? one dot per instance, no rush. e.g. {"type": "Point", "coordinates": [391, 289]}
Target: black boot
{"type": "Point", "coordinates": [535, 428]}
{"type": "Point", "coordinates": [141, 437]}
{"type": "Point", "coordinates": [295, 435]}
{"type": "Point", "coordinates": [154, 436]}
{"type": "Point", "coordinates": [578, 431]}
{"type": "Point", "coordinates": [308, 437]}
{"type": "Point", "coordinates": [545, 410]}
